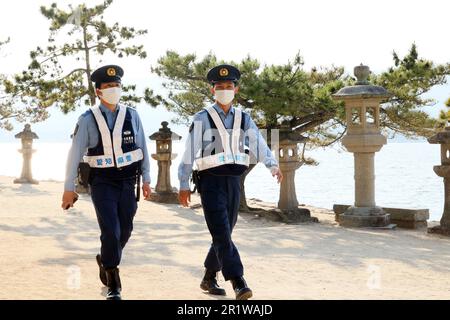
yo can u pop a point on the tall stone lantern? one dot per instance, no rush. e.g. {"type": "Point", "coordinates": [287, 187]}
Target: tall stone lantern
{"type": "Point", "coordinates": [289, 161]}
{"type": "Point", "coordinates": [164, 137]}
{"type": "Point", "coordinates": [443, 138]}
{"type": "Point", "coordinates": [363, 139]}
{"type": "Point", "coordinates": [27, 137]}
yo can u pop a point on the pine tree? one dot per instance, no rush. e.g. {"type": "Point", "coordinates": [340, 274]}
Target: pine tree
{"type": "Point", "coordinates": [287, 94]}
{"type": "Point", "coordinates": [59, 72]}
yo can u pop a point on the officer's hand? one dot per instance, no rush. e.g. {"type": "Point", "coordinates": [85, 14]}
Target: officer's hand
{"type": "Point", "coordinates": [184, 196]}
{"type": "Point", "coordinates": [277, 172]}
{"type": "Point", "coordinates": [68, 199]}
{"type": "Point", "coordinates": [146, 190]}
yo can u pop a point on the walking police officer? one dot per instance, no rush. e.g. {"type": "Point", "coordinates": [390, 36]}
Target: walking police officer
{"type": "Point", "coordinates": [113, 136]}
{"type": "Point", "coordinates": [220, 141]}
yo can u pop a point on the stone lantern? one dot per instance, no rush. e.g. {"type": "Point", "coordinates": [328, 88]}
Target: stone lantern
{"type": "Point", "coordinates": [164, 137]}
{"type": "Point", "coordinates": [363, 139]}
{"type": "Point", "coordinates": [443, 138]}
{"type": "Point", "coordinates": [289, 161]}
{"type": "Point", "coordinates": [27, 137]}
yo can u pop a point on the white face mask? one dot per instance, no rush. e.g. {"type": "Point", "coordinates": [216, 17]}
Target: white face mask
{"type": "Point", "coordinates": [224, 96]}
{"type": "Point", "coordinates": [111, 95]}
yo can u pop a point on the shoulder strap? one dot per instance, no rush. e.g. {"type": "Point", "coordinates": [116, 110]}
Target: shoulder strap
{"type": "Point", "coordinates": [216, 118]}
{"type": "Point", "coordinates": [236, 130]}
{"type": "Point", "coordinates": [244, 115]}
{"type": "Point", "coordinates": [117, 132]}
{"type": "Point", "coordinates": [104, 130]}
{"type": "Point", "coordinates": [224, 136]}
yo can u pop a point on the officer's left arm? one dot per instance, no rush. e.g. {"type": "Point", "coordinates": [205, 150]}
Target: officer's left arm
{"type": "Point", "coordinates": [141, 143]}
{"type": "Point", "coordinates": [258, 146]}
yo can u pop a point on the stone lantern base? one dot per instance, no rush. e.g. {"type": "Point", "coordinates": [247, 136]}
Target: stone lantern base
{"type": "Point", "coordinates": [288, 216]}
{"type": "Point", "coordinates": [364, 217]}
{"type": "Point", "coordinates": [26, 181]}
{"type": "Point", "coordinates": [439, 230]}
{"type": "Point", "coordinates": [297, 215]}
{"type": "Point", "coordinates": [164, 197]}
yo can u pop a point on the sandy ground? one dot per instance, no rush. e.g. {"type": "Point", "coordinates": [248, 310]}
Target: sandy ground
{"type": "Point", "coordinates": [49, 254]}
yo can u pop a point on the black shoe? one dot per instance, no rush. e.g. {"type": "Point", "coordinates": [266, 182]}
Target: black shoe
{"type": "Point", "coordinates": [113, 283]}
{"type": "Point", "coordinates": [209, 283]}
{"type": "Point", "coordinates": [241, 289]}
{"type": "Point", "coordinates": [101, 272]}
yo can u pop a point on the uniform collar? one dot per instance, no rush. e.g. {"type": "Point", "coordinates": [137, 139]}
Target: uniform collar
{"type": "Point", "coordinates": [105, 109]}
{"type": "Point", "coordinates": [220, 110]}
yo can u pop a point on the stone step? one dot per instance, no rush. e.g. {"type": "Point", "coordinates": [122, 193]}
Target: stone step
{"type": "Point", "coordinates": [403, 218]}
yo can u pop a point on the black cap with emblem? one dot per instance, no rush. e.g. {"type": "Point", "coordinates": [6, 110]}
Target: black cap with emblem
{"type": "Point", "coordinates": [105, 74]}
{"type": "Point", "coordinates": [224, 72]}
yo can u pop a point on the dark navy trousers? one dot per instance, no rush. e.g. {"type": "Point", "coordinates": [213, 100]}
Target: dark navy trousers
{"type": "Point", "coordinates": [115, 204]}
{"type": "Point", "coordinates": [220, 200]}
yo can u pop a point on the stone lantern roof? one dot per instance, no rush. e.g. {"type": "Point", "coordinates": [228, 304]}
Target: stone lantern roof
{"type": "Point", "coordinates": [27, 134]}
{"type": "Point", "coordinates": [165, 133]}
{"type": "Point", "coordinates": [289, 136]}
{"type": "Point", "coordinates": [362, 88]}
{"type": "Point", "coordinates": [442, 137]}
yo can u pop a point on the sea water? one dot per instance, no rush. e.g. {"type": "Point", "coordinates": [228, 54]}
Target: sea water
{"type": "Point", "coordinates": [404, 174]}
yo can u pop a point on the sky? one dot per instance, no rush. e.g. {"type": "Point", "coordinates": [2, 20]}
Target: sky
{"type": "Point", "coordinates": [325, 32]}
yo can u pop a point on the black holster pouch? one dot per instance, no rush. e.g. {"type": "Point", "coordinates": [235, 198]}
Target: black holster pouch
{"type": "Point", "coordinates": [195, 179]}
{"type": "Point", "coordinates": [84, 176]}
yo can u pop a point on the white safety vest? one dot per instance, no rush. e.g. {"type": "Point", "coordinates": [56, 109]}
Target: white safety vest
{"type": "Point", "coordinates": [231, 152]}
{"type": "Point", "coordinates": [112, 148]}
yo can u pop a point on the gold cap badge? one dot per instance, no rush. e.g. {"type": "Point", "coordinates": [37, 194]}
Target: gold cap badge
{"type": "Point", "coordinates": [111, 72]}
{"type": "Point", "coordinates": [223, 72]}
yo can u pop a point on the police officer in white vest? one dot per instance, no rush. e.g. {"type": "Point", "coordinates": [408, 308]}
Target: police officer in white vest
{"type": "Point", "coordinates": [220, 142]}
{"type": "Point", "coordinates": [110, 138]}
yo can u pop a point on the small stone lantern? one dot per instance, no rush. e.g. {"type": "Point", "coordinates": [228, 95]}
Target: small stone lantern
{"type": "Point", "coordinates": [289, 161]}
{"type": "Point", "coordinates": [164, 137]}
{"type": "Point", "coordinates": [363, 138]}
{"type": "Point", "coordinates": [27, 137]}
{"type": "Point", "coordinates": [443, 138]}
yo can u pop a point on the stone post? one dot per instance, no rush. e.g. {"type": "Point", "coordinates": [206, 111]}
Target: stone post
{"type": "Point", "coordinates": [164, 191]}
{"type": "Point", "coordinates": [363, 138]}
{"type": "Point", "coordinates": [27, 151]}
{"type": "Point", "coordinates": [289, 161]}
{"type": "Point", "coordinates": [443, 170]}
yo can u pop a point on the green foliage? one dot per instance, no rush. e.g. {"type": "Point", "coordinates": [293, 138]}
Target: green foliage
{"type": "Point", "coordinates": [408, 80]}
{"type": "Point", "coordinates": [287, 94]}
{"type": "Point", "coordinates": [444, 116]}
{"type": "Point", "coordinates": [58, 74]}
{"type": "Point", "coordinates": [274, 95]}
{"type": "Point", "coordinates": [8, 105]}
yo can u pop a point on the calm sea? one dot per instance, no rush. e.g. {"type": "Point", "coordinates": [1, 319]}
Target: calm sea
{"type": "Point", "coordinates": [404, 175]}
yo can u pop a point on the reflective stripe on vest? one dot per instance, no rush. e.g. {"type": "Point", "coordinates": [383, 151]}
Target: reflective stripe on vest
{"type": "Point", "coordinates": [230, 155]}
{"type": "Point", "coordinates": [112, 148]}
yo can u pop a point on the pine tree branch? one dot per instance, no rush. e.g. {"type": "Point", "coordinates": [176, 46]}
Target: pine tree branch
{"type": "Point", "coordinates": [71, 72]}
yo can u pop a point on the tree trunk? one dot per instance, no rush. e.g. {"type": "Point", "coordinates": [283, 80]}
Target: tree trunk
{"type": "Point", "coordinates": [243, 201]}
{"type": "Point", "coordinates": [91, 89]}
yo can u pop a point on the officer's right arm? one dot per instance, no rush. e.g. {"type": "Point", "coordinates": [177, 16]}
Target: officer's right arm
{"type": "Point", "coordinates": [193, 145]}
{"type": "Point", "coordinates": [80, 143]}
